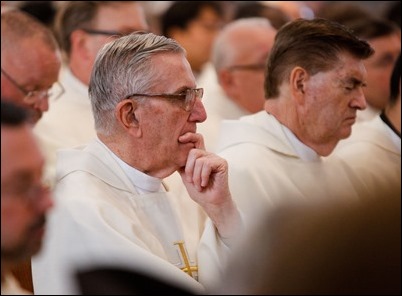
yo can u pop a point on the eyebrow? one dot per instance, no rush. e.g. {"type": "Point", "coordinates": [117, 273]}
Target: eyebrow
{"type": "Point", "coordinates": [182, 89]}
{"type": "Point", "coordinates": [354, 81]}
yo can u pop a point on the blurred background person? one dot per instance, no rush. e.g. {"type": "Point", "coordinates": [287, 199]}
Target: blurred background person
{"type": "Point", "coordinates": [82, 28]}
{"type": "Point", "coordinates": [30, 63]}
{"type": "Point", "coordinates": [274, 14]}
{"type": "Point", "coordinates": [236, 86]}
{"type": "Point", "coordinates": [343, 11]}
{"type": "Point", "coordinates": [24, 199]}
{"type": "Point", "coordinates": [294, 9]}
{"type": "Point", "coordinates": [194, 24]}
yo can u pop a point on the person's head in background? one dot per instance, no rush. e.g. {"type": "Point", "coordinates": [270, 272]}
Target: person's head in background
{"type": "Point", "coordinates": [294, 9]}
{"type": "Point", "coordinates": [314, 81]}
{"type": "Point", "coordinates": [194, 24]}
{"type": "Point", "coordinates": [342, 11]}
{"type": "Point", "coordinates": [274, 14]}
{"type": "Point", "coordinates": [385, 38]}
{"type": "Point", "coordinates": [83, 27]}
{"type": "Point", "coordinates": [30, 62]}
{"type": "Point", "coordinates": [24, 199]}
{"type": "Point", "coordinates": [239, 56]}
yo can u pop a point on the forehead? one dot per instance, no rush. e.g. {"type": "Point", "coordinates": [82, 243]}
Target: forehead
{"type": "Point", "coordinates": [350, 65]}
{"type": "Point", "coordinates": [43, 63]}
{"type": "Point", "coordinates": [347, 68]}
{"type": "Point", "coordinates": [19, 150]}
{"type": "Point", "coordinates": [259, 41]}
{"type": "Point", "coordinates": [125, 17]}
{"type": "Point", "coordinates": [172, 72]}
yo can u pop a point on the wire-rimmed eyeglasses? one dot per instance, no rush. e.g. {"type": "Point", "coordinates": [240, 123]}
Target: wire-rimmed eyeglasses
{"type": "Point", "coordinates": [31, 97]}
{"type": "Point", "coordinates": [187, 98]}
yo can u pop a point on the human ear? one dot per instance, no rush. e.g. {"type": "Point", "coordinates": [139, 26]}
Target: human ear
{"type": "Point", "coordinates": [79, 44]}
{"type": "Point", "coordinates": [126, 113]}
{"type": "Point", "coordinates": [298, 78]}
{"type": "Point", "coordinates": [226, 81]}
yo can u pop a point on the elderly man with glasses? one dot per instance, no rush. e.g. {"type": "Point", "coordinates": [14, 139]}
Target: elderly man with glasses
{"type": "Point", "coordinates": [112, 205]}
{"type": "Point", "coordinates": [30, 63]}
{"type": "Point", "coordinates": [82, 28]}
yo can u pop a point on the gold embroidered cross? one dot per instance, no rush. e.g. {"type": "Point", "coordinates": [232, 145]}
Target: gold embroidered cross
{"type": "Point", "coordinates": [187, 267]}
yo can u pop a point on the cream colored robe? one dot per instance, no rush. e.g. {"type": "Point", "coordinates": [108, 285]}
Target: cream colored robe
{"type": "Point", "coordinates": [374, 152]}
{"type": "Point", "coordinates": [69, 122]}
{"type": "Point", "coordinates": [264, 169]}
{"type": "Point", "coordinates": [100, 219]}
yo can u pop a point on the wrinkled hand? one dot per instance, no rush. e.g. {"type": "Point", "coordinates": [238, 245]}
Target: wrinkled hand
{"type": "Point", "coordinates": [205, 176]}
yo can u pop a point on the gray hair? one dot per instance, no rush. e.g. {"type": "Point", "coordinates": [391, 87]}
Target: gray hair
{"type": "Point", "coordinates": [224, 51]}
{"type": "Point", "coordinates": [123, 67]}
{"type": "Point", "coordinates": [18, 26]}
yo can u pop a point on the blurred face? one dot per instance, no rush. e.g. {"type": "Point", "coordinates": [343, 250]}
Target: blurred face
{"type": "Point", "coordinates": [331, 100]}
{"type": "Point", "coordinates": [244, 83]}
{"type": "Point", "coordinates": [379, 69]}
{"type": "Point", "coordinates": [32, 66]}
{"type": "Point", "coordinates": [164, 121]}
{"type": "Point", "coordinates": [24, 202]}
{"type": "Point", "coordinates": [198, 37]}
{"type": "Point", "coordinates": [123, 18]}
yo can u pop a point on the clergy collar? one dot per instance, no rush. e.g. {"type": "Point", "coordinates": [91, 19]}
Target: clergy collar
{"type": "Point", "coordinates": [301, 149]}
{"type": "Point", "coordinates": [142, 182]}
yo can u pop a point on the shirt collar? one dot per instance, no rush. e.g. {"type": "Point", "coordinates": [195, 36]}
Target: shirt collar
{"type": "Point", "coordinates": [142, 182]}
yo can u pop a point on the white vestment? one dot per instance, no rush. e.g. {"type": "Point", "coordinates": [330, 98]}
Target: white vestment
{"type": "Point", "coordinates": [101, 219]}
{"type": "Point", "coordinates": [266, 169]}
{"type": "Point", "coordinates": [69, 122]}
{"type": "Point", "coordinates": [374, 152]}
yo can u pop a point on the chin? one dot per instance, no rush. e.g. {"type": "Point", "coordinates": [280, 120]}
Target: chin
{"type": "Point", "coordinates": [35, 117]}
{"type": "Point", "coordinates": [346, 133]}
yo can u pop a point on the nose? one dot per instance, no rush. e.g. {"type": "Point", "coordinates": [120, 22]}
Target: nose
{"type": "Point", "coordinates": [359, 101]}
{"type": "Point", "coordinates": [42, 104]}
{"type": "Point", "coordinates": [198, 114]}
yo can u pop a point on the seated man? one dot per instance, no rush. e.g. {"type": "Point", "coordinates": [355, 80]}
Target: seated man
{"type": "Point", "coordinates": [30, 63]}
{"type": "Point", "coordinates": [313, 84]}
{"type": "Point", "coordinates": [112, 207]}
